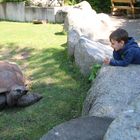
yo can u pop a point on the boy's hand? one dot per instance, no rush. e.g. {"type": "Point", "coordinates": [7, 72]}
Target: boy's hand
{"type": "Point", "coordinates": [106, 61]}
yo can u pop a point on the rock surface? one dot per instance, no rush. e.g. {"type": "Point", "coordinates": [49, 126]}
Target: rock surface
{"type": "Point", "coordinates": [72, 41]}
{"type": "Point", "coordinates": [134, 105]}
{"type": "Point", "coordinates": [112, 91]}
{"type": "Point", "coordinates": [85, 19]}
{"type": "Point", "coordinates": [124, 127]}
{"type": "Point", "coordinates": [87, 53]}
{"type": "Point", "coordinates": [87, 128]}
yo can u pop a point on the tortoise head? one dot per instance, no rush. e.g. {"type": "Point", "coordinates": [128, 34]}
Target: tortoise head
{"type": "Point", "coordinates": [18, 91]}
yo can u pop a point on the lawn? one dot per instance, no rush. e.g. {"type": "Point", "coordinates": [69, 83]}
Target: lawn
{"type": "Point", "coordinates": [40, 51]}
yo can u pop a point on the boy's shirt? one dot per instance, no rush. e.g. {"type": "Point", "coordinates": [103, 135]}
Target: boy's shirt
{"type": "Point", "coordinates": [130, 54]}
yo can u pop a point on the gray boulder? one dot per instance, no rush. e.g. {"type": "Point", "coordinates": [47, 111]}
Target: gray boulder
{"type": "Point", "coordinates": [72, 41]}
{"type": "Point", "coordinates": [124, 127]}
{"type": "Point", "coordinates": [87, 53]}
{"type": "Point", "coordinates": [134, 104]}
{"type": "Point", "coordinates": [75, 15]}
{"type": "Point", "coordinates": [87, 128]}
{"type": "Point", "coordinates": [84, 19]}
{"type": "Point", "coordinates": [83, 5]}
{"type": "Point", "coordinates": [114, 89]}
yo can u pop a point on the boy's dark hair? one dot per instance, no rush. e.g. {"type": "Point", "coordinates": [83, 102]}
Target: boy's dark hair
{"type": "Point", "coordinates": [118, 35]}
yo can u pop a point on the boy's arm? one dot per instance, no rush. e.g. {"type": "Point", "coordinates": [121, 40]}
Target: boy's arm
{"type": "Point", "coordinates": [128, 57]}
{"type": "Point", "coordinates": [116, 55]}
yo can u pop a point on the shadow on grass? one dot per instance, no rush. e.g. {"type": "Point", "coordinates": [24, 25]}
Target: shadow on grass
{"type": "Point", "coordinates": [52, 66]}
{"type": "Point", "coordinates": [13, 52]}
{"type": "Point", "coordinates": [64, 45]}
{"type": "Point", "coordinates": [60, 33]}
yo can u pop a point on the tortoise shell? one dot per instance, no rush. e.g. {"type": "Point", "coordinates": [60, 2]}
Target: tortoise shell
{"type": "Point", "coordinates": [10, 76]}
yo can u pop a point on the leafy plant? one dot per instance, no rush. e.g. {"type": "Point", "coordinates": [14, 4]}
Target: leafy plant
{"type": "Point", "coordinates": [72, 2]}
{"type": "Point", "coordinates": [94, 71]}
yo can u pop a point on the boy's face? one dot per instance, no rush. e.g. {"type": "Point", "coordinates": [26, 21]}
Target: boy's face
{"type": "Point", "coordinates": [117, 45]}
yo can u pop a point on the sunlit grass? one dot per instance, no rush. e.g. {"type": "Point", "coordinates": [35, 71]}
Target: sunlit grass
{"type": "Point", "coordinates": [40, 51]}
{"type": "Point", "coordinates": [35, 36]}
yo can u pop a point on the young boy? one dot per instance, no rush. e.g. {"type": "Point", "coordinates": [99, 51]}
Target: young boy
{"type": "Point", "coordinates": [126, 50]}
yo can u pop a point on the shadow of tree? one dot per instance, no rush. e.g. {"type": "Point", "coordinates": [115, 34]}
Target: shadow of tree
{"type": "Point", "coordinates": [60, 33]}
{"type": "Point", "coordinates": [10, 52]}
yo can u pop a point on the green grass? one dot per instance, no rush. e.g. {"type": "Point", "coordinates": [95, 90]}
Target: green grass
{"type": "Point", "coordinates": [48, 71]}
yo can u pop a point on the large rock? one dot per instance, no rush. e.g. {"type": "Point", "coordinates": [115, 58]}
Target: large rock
{"type": "Point", "coordinates": [81, 21]}
{"type": "Point", "coordinates": [124, 127]}
{"type": "Point", "coordinates": [134, 105]}
{"type": "Point", "coordinates": [72, 41]}
{"type": "Point", "coordinates": [114, 89]}
{"type": "Point", "coordinates": [87, 128]}
{"type": "Point", "coordinates": [76, 13]}
{"type": "Point", "coordinates": [87, 53]}
{"type": "Point", "coordinates": [84, 5]}
{"type": "Point", "coordinates": [92, 25]}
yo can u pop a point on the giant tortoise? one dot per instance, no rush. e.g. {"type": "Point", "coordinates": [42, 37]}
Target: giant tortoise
{"type": "Point", "coordinates": [12, 86]}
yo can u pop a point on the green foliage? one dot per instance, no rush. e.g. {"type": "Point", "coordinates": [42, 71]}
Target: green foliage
{"type": "Point", "coordinates": [28, 2]}
{"type": "Point", "coordinates": [94, 71]}
{"type": "Point", "coordinates": [100, 5]}
{"type": "Point", "coordinates": [70, 2]}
